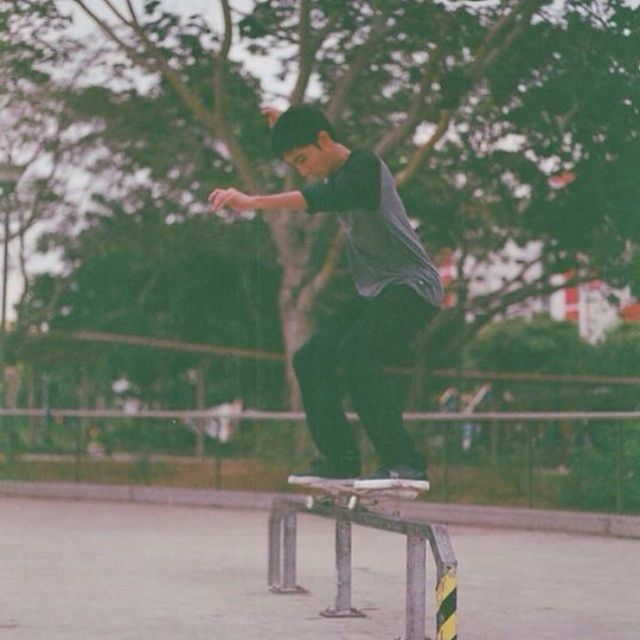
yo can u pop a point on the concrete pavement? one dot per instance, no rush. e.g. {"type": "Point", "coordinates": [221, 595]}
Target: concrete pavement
{"type": "Point", "coordinates": [122, 571]}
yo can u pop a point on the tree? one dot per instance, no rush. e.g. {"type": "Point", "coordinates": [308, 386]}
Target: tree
{"type": "Point", "coordinates": [472, 106]}
{"type": "Point", "coordinates": [37, 137]}
{"type": "Point", "coordinates": [538, 346]}
{"type": "Point", "coordinates": [134, 274]}
{"type": "Point", "coordinates": [619, 354]}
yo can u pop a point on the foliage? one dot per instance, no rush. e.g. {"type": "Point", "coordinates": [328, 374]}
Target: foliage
{"type": "Point", "coordinates": [135, 274]}
{"type": "Point", "coordinates": [592, 483]}
{"type": "Point", "coordinates": [619, 354]}
{"type": "Point", "coordinates": [541, 345]}
{"type": "Point", "coordinates": [473, 105]}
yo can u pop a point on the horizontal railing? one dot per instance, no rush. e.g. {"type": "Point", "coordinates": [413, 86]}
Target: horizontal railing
{"type": "Point", "coordinates": [295, 416]}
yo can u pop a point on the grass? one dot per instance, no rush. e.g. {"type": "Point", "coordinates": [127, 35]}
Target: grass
{"type": "Point", "coordinates": [465, 484]}
{"type": "Point", "coordinates": [237, 474]}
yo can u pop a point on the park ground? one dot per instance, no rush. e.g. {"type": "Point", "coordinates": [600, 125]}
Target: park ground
{"type": "Point", "coordinates": [81, 570]}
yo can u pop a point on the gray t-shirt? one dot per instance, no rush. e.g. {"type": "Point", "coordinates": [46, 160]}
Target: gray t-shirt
{"type": "Point", "coordinates": [382, 246]}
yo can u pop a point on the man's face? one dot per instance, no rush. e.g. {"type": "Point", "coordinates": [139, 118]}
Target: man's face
{"type": "Point", "coordinates": [309, 161]}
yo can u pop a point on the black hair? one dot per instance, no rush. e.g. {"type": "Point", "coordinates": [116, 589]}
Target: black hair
{"type": "Point", "coordinates": [297, 127]}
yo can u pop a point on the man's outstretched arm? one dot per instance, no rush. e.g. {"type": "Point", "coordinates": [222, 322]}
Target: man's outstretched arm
{"type": "Point", "coordinates": [239, 201]}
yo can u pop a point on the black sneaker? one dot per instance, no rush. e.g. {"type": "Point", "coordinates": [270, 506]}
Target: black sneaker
{"type": "Point", "coordinates": [326, 472]}
{"type": "Point", "coordinates": [399, 476]}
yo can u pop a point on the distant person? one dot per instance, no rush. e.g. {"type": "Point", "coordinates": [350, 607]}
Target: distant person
{"type": "Point", "coordinates": [397, 292]}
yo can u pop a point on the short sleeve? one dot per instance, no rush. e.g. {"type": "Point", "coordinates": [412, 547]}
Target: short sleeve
{"type": "Point", "coordinates": [355, 186]}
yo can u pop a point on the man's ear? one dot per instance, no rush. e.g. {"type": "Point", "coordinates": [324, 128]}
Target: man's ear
{"type": "Point", "coordinates": [324, 140]}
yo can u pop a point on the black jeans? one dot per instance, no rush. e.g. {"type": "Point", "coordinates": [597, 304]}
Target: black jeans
{"type": "Point", "coordinates": [347, 356]}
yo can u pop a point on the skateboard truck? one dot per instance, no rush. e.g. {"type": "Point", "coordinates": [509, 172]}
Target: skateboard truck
{"type": "Point", "coordinates": [352, 498]}
{"type": "Point", "coordinates": [311, 501]}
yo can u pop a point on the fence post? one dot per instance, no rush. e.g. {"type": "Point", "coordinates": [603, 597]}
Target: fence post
{"type": "Point", "coordinates": [10, 439]}
{"type": "Point", "coordinates": [46, 419]}
{"type": "Point", "coordinates": [77, 427]}
{"type": "Point", "coordinates": [445, 453]}
{"type": "Point", "coordinates": [200, 422]}
{"type": "Point", "coordinates": [620, 468]}
{"type": "Point", "coordinates": [529, 465]}
{"type": "Point", "coordinates": [494, 427]}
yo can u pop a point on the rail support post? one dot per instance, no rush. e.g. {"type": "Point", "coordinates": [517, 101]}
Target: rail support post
{"type": "Point", "coordinates": [274, 579]}
{"type": "Point", "coordinates": [282, 552]}
{"type": "Point", "coordinates": [416, 587]}
{"type": "Point", "coordinates": [343, 608]}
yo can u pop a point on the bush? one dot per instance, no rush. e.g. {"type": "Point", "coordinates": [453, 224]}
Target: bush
{"type": "Point", "coordinates": [592, 481]}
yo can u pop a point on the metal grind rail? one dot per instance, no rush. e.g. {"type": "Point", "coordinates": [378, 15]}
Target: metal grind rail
{"type": "Point", "coordinates": [282, 562]}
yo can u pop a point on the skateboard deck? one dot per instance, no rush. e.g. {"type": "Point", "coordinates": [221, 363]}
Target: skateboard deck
{"type": "Point", "coordinates": [346, 495]}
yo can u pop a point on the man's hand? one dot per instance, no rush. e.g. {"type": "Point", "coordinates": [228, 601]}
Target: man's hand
{"type": "Point", "coordinates": [230, 199]}
{"type": "Point", "coordinates": [271, 114]}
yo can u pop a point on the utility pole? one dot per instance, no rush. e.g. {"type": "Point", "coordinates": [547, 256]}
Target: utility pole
{"type": "Point", "coordinates": [9, 176]}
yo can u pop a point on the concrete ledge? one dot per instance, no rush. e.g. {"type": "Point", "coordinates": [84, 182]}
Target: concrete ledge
{"type": "Point", "coordinates": [138, 493]}
{"type": "Point", "coordinates": [202, 497]}
{"type": "Point", "coordinates": [66, 490]}
{"type": "Point", "coordinates": [601, 524]}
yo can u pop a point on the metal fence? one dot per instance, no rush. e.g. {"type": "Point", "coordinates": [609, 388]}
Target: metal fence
{"type": "Point", "coordinates": [616, 427]}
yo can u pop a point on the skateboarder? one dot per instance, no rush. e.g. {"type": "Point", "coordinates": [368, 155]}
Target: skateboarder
{"type": "Point", "coordinates": [397, 292]}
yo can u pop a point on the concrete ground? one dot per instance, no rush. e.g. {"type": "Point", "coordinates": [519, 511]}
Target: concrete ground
{"type": "Point", "coordinates": [85, 570]}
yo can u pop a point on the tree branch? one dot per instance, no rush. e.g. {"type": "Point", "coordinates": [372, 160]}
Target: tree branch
{"type": "Point", "coordinates": [422, 151]}
{"type": "Point", "coordinates": [132, 11]}
{"type": "Point", "coordinates": [345, 83]}
{"type": "Point", "coordinates": [538, 288]}
{"type": "Point", "coordinates": [155, 63]}
{"type": "Point", "coordinates": [131, 53]}
{"type": "Point", "coordinates": [305, 53]}
{"type": "Point", "coordinates": [484, 58]}
{"type": "Point", "coordinates": [115, 11]}
{"type": "Point", "coordinates": [224, 130]}
{"type": "Point", "coordinates": [395, 136]}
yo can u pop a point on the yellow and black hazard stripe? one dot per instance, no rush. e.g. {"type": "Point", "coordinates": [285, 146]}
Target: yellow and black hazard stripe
{"type": "Point", "coordinates": [446, 600]}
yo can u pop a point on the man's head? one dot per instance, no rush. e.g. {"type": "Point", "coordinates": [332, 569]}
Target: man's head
{"type": "Point", "coordinates": [305, 139]}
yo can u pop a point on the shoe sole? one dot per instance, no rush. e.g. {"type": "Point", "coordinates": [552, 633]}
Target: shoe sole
{"type": "Point", "coordinates": [391, 483]}
{"type": "Point", "coordinates": [308, 481]}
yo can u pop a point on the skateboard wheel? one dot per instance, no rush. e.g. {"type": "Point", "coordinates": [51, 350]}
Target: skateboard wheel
{"type": "Point", "coordinates": [310, 502]}
{"type": "Point", "coordinates": [353, 503]}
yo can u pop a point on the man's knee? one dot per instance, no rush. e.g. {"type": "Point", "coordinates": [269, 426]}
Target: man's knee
{"type": "Point", "coordinates": [310, 357]}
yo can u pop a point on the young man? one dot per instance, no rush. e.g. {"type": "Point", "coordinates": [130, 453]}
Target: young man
{"type": "Point", "coordinates": [397, 292]}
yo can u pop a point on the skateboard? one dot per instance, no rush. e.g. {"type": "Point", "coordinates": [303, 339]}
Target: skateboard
{"type": "Point", "coordinates": [352, 498]}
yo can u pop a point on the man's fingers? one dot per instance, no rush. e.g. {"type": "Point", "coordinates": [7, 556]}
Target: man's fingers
{"type": "Point", "coordinates": [217, 198]}
{"type": "Point", "coordinates": [225, 199]}
{"type": "Point", "coordinates": [271, 114]}
{"type": "Point", "coordinates": [231, 199]}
